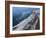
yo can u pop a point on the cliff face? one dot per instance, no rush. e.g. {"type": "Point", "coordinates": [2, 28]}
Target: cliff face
{"type": "Point", "coordinates": [29, 23]}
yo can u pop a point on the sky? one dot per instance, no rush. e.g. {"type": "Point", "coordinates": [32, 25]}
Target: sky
{"type": "Point", "coordinates": [21, 10]}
